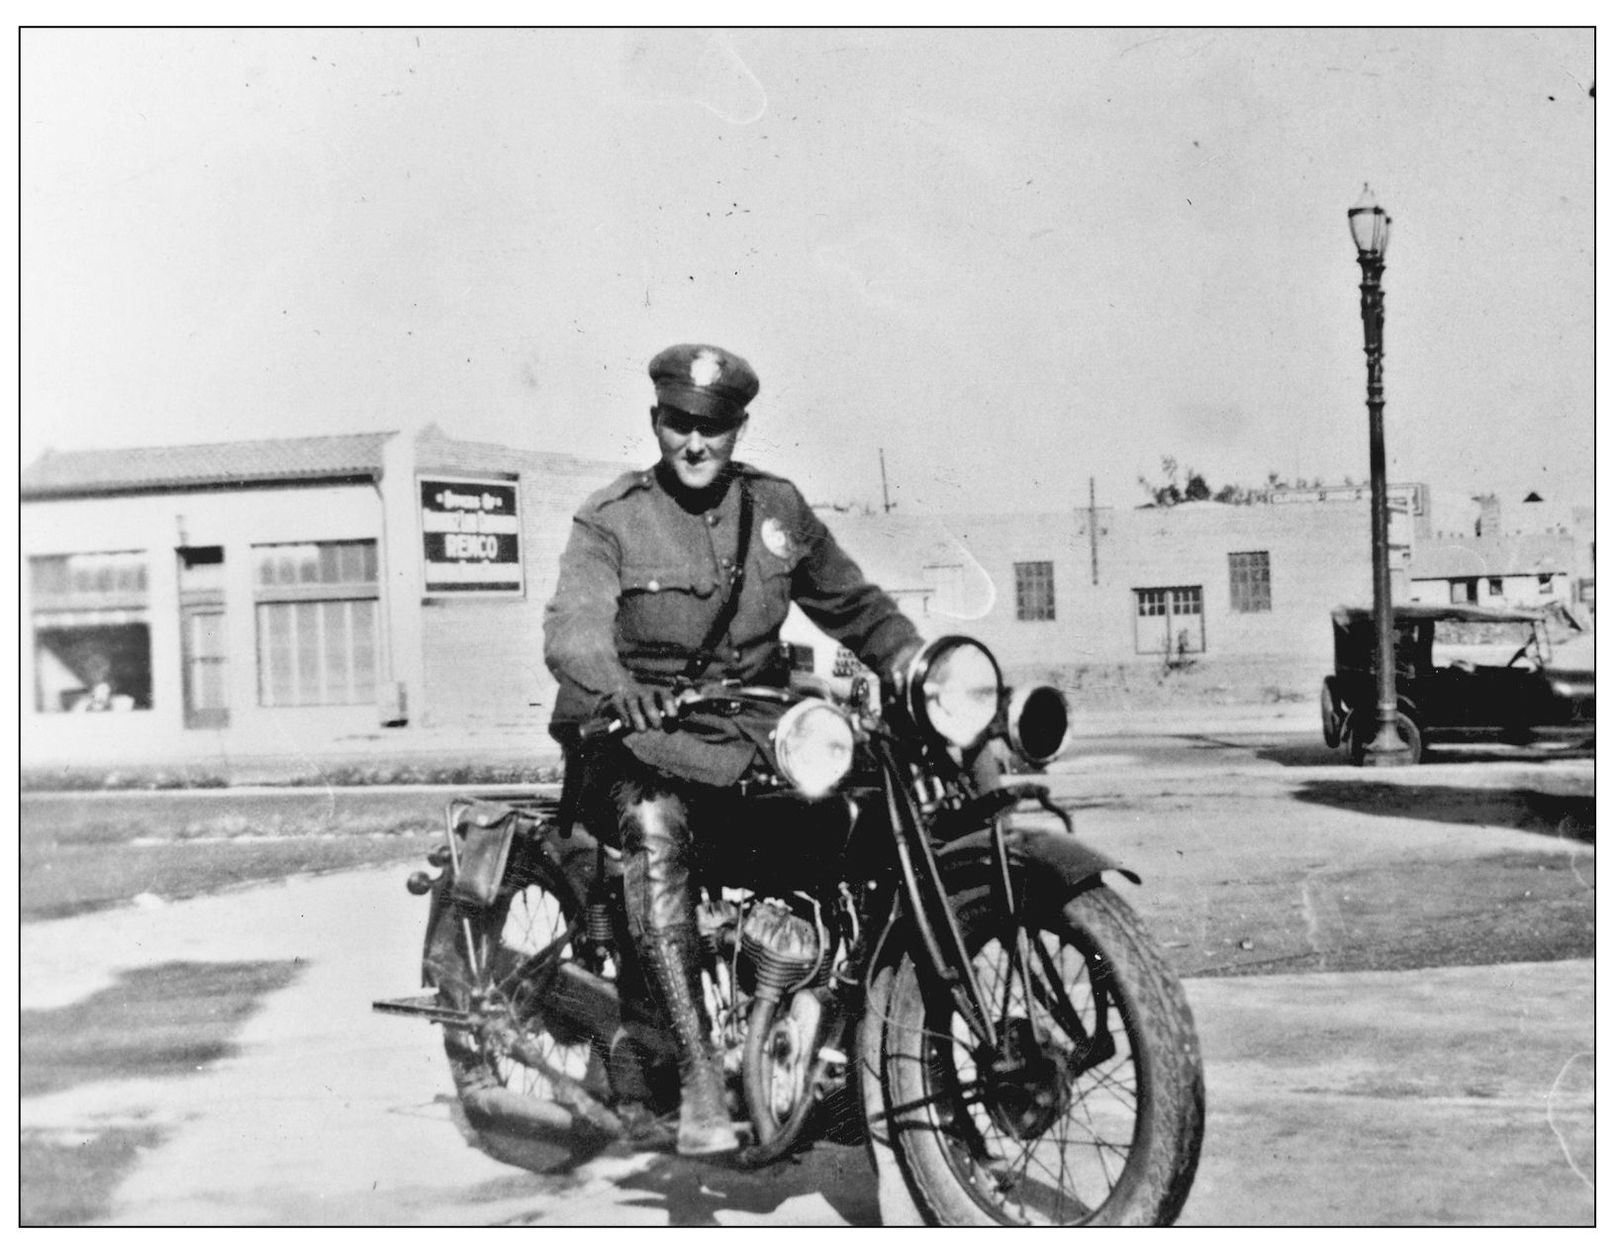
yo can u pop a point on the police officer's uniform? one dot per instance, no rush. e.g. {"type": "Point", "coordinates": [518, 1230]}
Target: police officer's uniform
{"type": "Point", "coordinates": [648, 568]}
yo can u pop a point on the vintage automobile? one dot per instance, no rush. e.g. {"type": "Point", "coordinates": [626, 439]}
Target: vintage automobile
{"type": "Point", "coordinates": [1465, 674]}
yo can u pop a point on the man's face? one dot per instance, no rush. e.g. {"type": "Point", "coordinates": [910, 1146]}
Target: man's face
{"type": "Point", "coordinates": [695, 451]}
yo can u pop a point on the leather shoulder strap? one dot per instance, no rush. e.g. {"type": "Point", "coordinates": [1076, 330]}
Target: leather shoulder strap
{"type": "Point", "coordinates": [706, 653]}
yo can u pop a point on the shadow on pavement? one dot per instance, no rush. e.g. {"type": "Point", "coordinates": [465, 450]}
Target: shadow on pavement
{"type": "Point", "coordinates": [1311, 751]}
{"type": "Point", "coordinates": [165, 1019]}
{"type": "Point", "coordinates": [693, 1192]}
{"type": "Point", "coordinates": [1561, 817]}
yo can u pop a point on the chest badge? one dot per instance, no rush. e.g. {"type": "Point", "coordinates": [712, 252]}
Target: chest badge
{"type": "Point", "coordinates": [775, 537]}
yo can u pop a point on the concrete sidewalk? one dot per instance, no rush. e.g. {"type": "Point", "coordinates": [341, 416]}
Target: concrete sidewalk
{"type": "Point", "coordinates": [530, 752]}
{"type": "Point", "coordinates": [1454, 1096]}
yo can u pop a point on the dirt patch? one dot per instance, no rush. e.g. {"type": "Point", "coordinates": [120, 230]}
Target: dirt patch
{"type": "Point", "coordinates": [1511, 907]}
{"type": "Point", "coordinates": [69, 881]}
{"type": "Point", "coordinates": [68, 1181]}
{"type": "Point", "coordinates": [162, 1020]}
{"type": "Point", "coordinates": [81, 853]}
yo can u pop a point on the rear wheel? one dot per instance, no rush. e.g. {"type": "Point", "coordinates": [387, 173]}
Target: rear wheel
{"type": "Point", "coordinates": [521, 1065]}
{"type": "Point", "coordinates": [1091, 1109]}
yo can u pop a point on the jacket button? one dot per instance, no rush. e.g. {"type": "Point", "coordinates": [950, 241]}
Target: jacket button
{"type": "Point", "coordinates": [738, 656]}
{"type": "Point", "coordinates": [726, 561]}
{"type": "Point", "coordinates": [653, 587]}
{"type": "Point", "coordinates": [712, 519]}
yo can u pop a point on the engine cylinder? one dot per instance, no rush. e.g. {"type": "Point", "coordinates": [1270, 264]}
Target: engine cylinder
{"type": "Point", "coordinates": [782, 947]}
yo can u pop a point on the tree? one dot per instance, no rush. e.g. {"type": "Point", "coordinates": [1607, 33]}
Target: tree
{"type": "Point", "coordinates": [1168, 495]}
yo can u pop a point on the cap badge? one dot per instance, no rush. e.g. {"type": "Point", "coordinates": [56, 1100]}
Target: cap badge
{"type": "Point", "coordinates": [775, 537]}
{"type": "Point", "coordinates": [705, 370]}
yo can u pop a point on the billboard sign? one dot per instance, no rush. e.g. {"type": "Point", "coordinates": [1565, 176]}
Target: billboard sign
{"type": "Point", "coordinates": [470, 536]}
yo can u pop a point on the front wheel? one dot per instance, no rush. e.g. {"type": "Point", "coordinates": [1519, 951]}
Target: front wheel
{"type": "Point", "coordinates": [1091, 1107]}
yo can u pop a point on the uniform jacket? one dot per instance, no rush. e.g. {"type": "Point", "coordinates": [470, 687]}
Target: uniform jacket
{"type": "Point", "coordinates": [642, 578]}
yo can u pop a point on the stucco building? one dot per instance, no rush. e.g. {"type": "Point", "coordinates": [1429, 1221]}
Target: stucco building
{"type": "Point", "coordinates": [1246, 586]}
{"type": "Point", "coordinates": [270, 596]}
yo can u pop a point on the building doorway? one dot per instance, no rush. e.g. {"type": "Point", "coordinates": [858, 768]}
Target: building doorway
{"type": "Point", "coordinates": [203, 645]}
{"type": "Point", "coordinates": [1170, 620]}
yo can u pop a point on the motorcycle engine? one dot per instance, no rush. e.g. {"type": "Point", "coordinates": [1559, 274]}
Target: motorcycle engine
{"type": "Point", "coordinates": [785, 949]}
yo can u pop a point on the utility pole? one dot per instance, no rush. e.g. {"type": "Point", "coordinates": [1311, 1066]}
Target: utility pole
{"type": "Point", "coordinates": [884, 483]}
{"type": "Point", "coordinates": [1093, 532]}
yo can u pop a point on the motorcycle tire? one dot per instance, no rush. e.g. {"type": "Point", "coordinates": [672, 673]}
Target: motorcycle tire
{"type": "Point", "coordinates": [555, 1096]}
{"type": "Point", "coordinates": [1073, 1142]}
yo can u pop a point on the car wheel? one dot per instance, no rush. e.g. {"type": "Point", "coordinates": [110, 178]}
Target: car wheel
{"type": "Point", "coordinates": [1359, 729]}
{"type": "Point", "coordinates": [1413, 738]}
{"type": "Point", "coordinates": [1329, 715]}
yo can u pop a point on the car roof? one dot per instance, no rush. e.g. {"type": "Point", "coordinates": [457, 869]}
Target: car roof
{"type": "Point", "coordinates": [1467, 613]}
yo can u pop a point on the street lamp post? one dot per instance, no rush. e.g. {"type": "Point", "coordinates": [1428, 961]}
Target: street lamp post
{"type": "Point", "coordinates": [1371, 229]}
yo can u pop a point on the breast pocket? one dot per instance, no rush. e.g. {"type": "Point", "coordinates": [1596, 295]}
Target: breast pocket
{"type": "Point", "coordinates": [665, 606]}
{"type": "Point", "coordinates": [768, 590]}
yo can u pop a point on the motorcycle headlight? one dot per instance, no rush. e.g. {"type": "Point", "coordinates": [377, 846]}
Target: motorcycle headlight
{"type": "Point", "coordinates": [953, 688]}
{"type": "Point", "coordinates": [813, 745]}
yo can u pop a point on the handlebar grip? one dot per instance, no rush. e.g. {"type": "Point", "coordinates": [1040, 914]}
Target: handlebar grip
{"type": "Point", "coordinates": [593, 728]}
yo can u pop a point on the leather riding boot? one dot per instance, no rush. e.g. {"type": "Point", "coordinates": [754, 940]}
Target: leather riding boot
{"type": "Point", "coordinates": [705, 1125]}
{"type": "Point", "coordinates": [660, 911]}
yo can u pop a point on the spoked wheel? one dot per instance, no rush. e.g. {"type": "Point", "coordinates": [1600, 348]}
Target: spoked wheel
{"type": "Point", "coordinates": [527, 1063]}
{"type": "Point", "coordinates": [1089, 1109]}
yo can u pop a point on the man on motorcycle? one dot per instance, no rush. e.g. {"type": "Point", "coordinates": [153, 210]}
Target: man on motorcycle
{"type": "Point", "coordinates": [675, 576]}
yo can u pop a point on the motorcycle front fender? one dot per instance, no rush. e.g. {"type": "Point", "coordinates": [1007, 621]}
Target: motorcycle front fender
{"type": "Point", "coordinates": [1051, 865]}
{"type": "Point", "coordinates": [1047, 865]}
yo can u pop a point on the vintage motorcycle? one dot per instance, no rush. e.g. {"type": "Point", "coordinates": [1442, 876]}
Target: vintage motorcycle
{"type": "Point", "coordinates": [894, 953]}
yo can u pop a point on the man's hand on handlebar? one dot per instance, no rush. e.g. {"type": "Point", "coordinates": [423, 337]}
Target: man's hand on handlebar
{"type": "Point", "coordinates": [639, 707]}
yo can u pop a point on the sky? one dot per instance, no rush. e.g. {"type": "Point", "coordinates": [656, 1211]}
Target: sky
{"type": "Point", "coordinates": [1015, 262]}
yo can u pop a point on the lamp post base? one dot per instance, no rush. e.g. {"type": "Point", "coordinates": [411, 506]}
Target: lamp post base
{"type": "Point", "coordinates": [1396, 742]}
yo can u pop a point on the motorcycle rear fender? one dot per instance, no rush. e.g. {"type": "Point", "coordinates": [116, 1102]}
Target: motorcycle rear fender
{"type": "Point", "coordinates": [570, 861]}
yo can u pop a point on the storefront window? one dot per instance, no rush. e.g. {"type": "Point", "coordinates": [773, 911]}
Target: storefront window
{"type": "Point", "coordinates": [92, 640]}
{"type": "Point", "coordinates": [316, 607]}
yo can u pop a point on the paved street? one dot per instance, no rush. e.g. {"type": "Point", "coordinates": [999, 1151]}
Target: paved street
{"type": "Point", "coordinates": [1388, 1093]}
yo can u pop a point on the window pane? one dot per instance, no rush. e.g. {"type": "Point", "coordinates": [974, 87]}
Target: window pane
{"type": "Point", "coordinates": [318, 652]}
{"type": "Point", "coordinates": [336, 649]}
{"type": "Point", "coordinates": [363, 616]}
{"type": "Point", "coordinates": [275, 655]}
{"type": "Point", "coordinates": [307, 652]}
{"type": "Point", "coordinates": [89, 666]}
{"type": "Point", "coordinates": [49, 574]}
{"type": "Point", "coordinates": [1034, 590]}
{"type": "Point", "coordinates": [1250, 587]}
{"type": "Point", "coordinates": [94, 575]}
{"type": "Point", "coordinates": [351, 562]}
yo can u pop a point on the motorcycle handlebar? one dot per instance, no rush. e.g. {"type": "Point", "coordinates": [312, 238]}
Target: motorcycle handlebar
{"type": "Point", "coordinates": [690, 700]}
